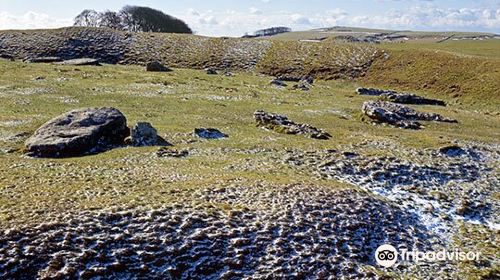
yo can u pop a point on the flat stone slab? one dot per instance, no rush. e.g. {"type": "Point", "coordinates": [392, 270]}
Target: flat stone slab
{"type": "Point", "coordinates": [81, 62]}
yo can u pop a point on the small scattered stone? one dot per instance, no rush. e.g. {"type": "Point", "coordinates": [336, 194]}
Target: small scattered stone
{"type": "Point", "coordinates": [452, 151]}
{"type": "Point", "coordinates": [167, 152]}
{"type": "Point", "coordinates": [278, 83]}
{"type": "Point", "coordinates": [211, 71]}
{"type": "Point", "coordinates": [156, 66]}
{"type": "Point", "coordinates": [302, 85]}
{"type": "Point", "coordinates": [209, 133]}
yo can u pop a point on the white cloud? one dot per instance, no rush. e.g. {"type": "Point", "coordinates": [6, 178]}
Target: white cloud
{"type": "Point", "coordinates": [255, 11]}
{"type": "Point", "coordinates": [31, 20]}
{"type": "Point", "coordinates": [193, 12]}
{"type": "Point", "coordinates": [423, 17]}
{"type": "Point", "coordinates": [300, 19]}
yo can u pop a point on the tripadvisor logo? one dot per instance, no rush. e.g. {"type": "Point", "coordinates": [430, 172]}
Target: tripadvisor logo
{"type": "Point", "coordinates": [387, 255]}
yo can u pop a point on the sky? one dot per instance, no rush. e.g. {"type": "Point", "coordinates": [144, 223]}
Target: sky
{"type": "Point", "coordinates": [235, 18]}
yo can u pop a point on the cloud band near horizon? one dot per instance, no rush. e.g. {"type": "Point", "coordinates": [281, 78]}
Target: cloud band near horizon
{"type": "Point", "coordinates": [237, 23]}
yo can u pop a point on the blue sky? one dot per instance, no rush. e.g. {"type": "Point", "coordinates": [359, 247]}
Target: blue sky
{"type": "Point", "coordinates": [234, 18]}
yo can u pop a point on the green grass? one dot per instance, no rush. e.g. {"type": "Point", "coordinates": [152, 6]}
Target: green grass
{"type": "Point", "coordinates": [463, 48]}
{"type": "Point", "coordinates": [466, 79]}
{"type": "Point", "coordinates": [176, 103]}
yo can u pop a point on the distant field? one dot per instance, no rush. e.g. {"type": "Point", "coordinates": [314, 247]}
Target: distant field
{"type": "Point", "coordinates": [481, 48]}
{"type": "Point", "coordinates": [364, 32]}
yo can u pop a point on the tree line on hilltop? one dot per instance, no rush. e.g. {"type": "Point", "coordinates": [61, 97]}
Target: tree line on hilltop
{"type": "Point", "coordinates": [133, 19]}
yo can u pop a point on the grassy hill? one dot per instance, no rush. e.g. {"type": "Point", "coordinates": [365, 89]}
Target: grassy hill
{"type": "Point", "coordinates": [465, 70]}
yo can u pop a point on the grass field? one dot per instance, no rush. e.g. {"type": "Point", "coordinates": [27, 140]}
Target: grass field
{"type": "Point", "coordinates": [176, 103]}
{"type": "Point", "coordinates": [251, 160]}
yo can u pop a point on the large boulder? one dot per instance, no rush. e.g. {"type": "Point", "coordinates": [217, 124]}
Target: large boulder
{"type": "Point", "coordinates": [282, 124]}
{"type": "Point", "coordinates": [79, 132]}
{"type": "Point", "coordinates": [399, 115]}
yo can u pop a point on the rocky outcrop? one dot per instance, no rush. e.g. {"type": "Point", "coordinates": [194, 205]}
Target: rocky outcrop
{"type": "Point", "coordinates": [282, 124]}
{"type": "Point", "coordinates": [156, 66]}
{"type": "Point", "coordinates": [209, 133]}
{"type": "Point", "coordinates": [399, 115]}
{"type": "Point", "coordinates": [403, 98]}
{"type": "Point", "coordinates": [79, 132]}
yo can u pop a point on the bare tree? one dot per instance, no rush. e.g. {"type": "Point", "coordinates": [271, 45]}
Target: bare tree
{"type": "Point", "coordinates": [87, 18]}
{"type": "Point", "coordinates": [110, 19]}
